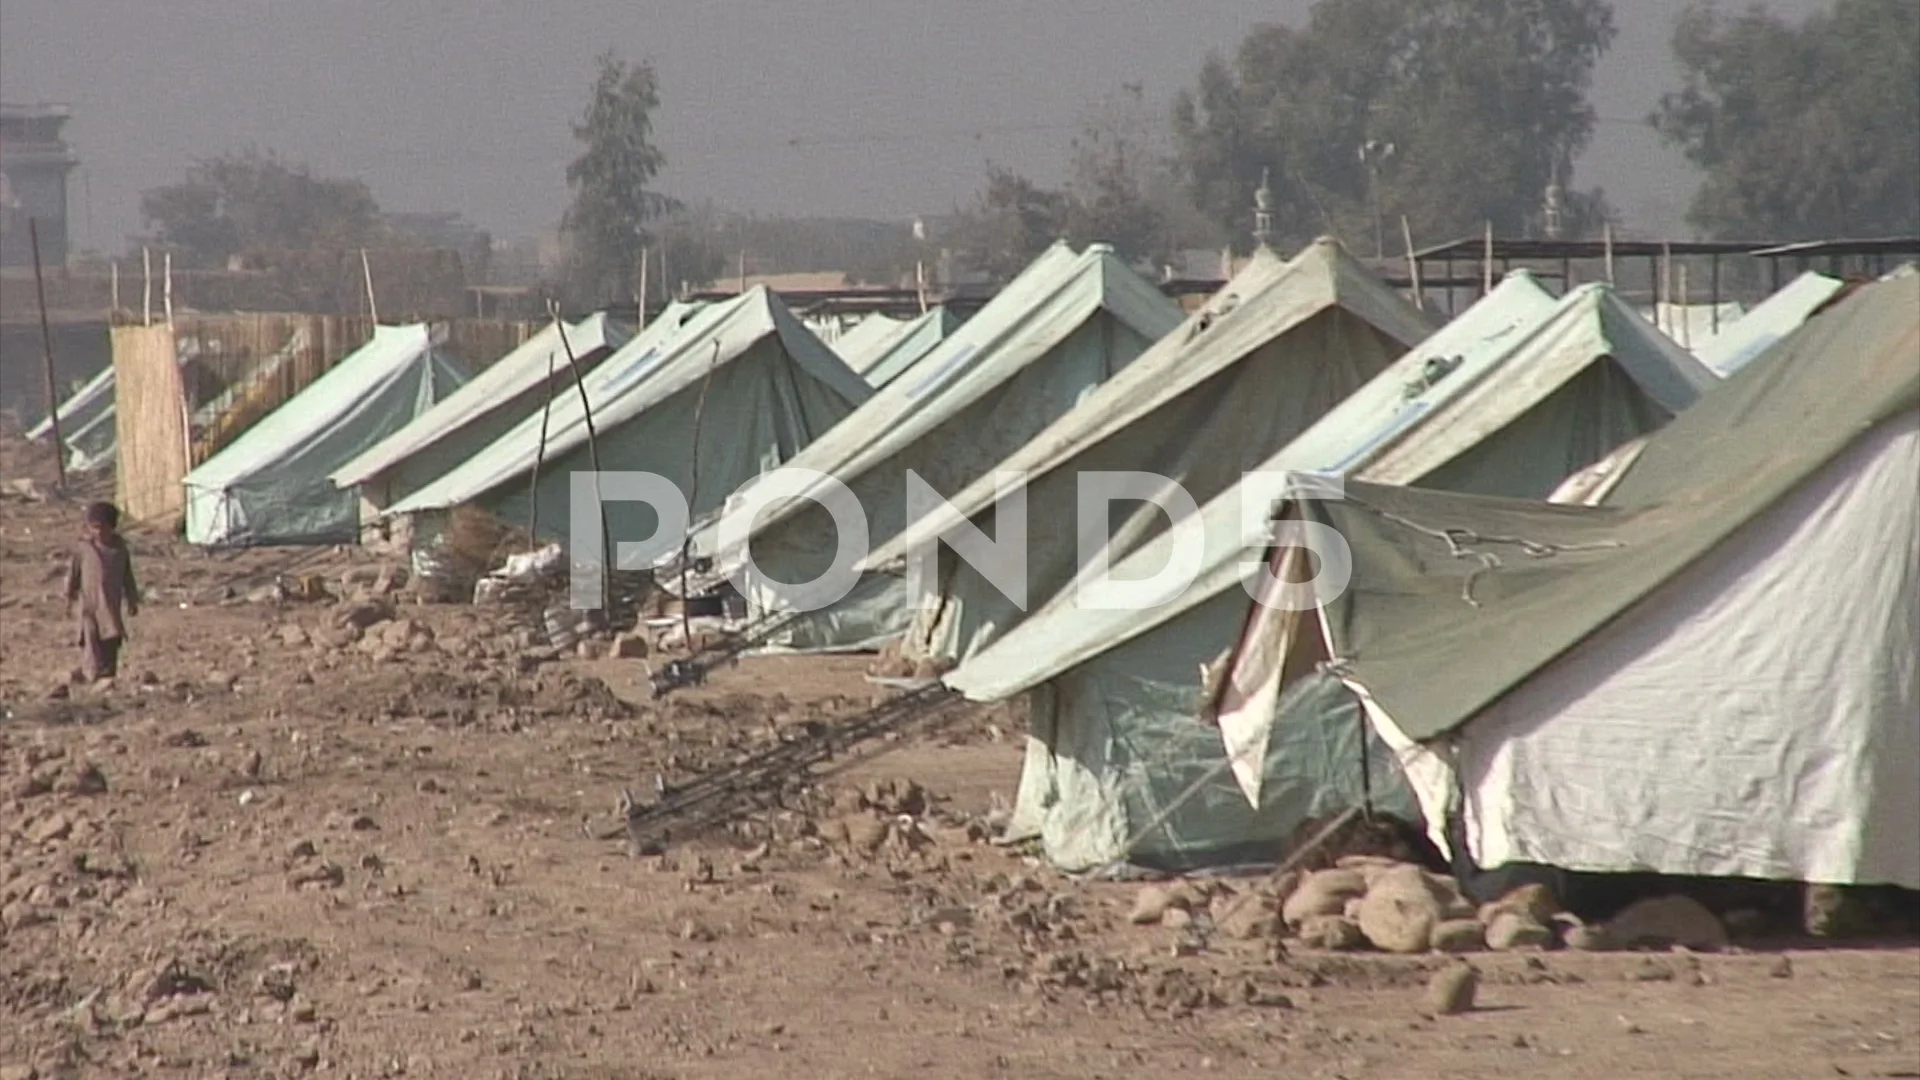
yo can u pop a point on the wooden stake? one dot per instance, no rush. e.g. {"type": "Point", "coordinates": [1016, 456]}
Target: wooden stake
{"type": "Point", "coordinates": [1413, 265]}
{"type": "Point", "coordinates": [166, 285]}
{"type": "Point", "coordinates": [113, 280]}
{"type": "Point", "coordinates": [46, 355]}
{"type": "Point", "coordinates": [645, 258]}
{"type": "Point", "coordinates": [366, 275]}
{"type": "Point", "coordinates": [1681, 313]}
{"type": "Point", "coordinates": [1606, 239]}
{"type": "Point", "coordinates": [1486, 262]}
{"type": "Point", "coordinates": [146, 286]}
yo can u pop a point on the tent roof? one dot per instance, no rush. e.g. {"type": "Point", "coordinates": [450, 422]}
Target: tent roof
{"type": "Point", "coordinates": [900, 352]}
{"type": "Point", "coordinates": [1038, 311]}
{"type": "Point", "coordinates": [393, 350]}
{"type": "Point", "coordinates": [868, 338]}
{"type": "Point", "coordinates": [1513, 349]}
{"type": "Point", "coordinates": [1768, 322]}
{"type": "Point", "coordinates": [645, 372]}
{"type": "Point", "coordinates": [1262, 303]}
{"type": "Point", "coordinates": [525, 367]}
{"type": "Point", "coordinates": [1433, 660]}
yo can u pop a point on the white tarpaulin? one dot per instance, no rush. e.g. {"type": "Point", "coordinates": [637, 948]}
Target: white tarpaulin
{"type": "Point", "coordinates": [1757, 717]}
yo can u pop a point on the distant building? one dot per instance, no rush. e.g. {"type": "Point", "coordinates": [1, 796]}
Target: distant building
{"type": "Point", "coordinates": [34, 163]}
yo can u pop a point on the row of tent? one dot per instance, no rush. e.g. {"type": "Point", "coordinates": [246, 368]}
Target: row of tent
{"type": "Point", "coordinates": [1205, 727]}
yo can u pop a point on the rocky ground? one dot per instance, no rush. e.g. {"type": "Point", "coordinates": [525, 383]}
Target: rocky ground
{"type": "Point", "coordinates": [343, 836]}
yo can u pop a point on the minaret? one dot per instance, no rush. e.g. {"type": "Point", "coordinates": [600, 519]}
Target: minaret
{"type": "Point", "coordinates": [1263, 210]}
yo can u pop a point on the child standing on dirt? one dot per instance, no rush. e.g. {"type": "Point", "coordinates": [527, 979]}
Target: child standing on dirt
{"type": "Point", "coordinates": [99, 586]}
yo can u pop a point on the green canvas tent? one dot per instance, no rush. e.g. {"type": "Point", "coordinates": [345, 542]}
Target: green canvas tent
{"type": "Point", "coordinates": [1063, 326]}
{"type": "Point", "coordinates": [739, 387]}
{"type": "Point", "coordinates": [270, 486]}
{"type": "Point", "coordinates": [470, 418]}
{"type": "Point", "coordinates": [1278, 346]}
{"type": "Point", "coordinates": [1515, 394]}
{"type": "Point", "coordinates": [1714, 672]}
{"type": "Point", "coordinates": [1769, 321]}
{"type": "Point", "coordinates": [881, 361]}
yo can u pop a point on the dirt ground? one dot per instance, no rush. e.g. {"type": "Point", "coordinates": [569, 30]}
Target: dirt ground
{"type": "Point", "coordinates": [271, 851]}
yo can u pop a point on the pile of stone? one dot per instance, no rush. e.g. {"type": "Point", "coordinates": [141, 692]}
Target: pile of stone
{"type": "Point", "coordinates": [1370, 902]}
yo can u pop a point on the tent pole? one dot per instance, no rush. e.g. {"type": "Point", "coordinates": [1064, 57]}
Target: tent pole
{"type": "Point", "coordinates": [593, 455]}
{"type": "Point", "coordinates": [693, 494]}
{"type": "Point", "coordinates": [540, 457]}
{"type": "Point", "coordinates": [1366, 767]}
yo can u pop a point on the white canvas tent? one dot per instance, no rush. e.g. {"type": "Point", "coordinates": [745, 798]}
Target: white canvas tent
{"type": "Point", "coordinates": [472, 417]}
{"type": "Point", "coordinates": [1515, 394]}
{"type": "Point", "coordinates": [880, 362]}
{"type": "Point", "coordinates": [86, 424]}
{"type": "Point", "coordinates": [1062, 327]}
{"type": "Point", "coordinates": [270, 486]}
{"type": "Point", "coordinates": [1716, 672]}
{"type": "Point", "coordinates": [1278, 346]}
{"type": "Point", "coordinates": [739, 387]}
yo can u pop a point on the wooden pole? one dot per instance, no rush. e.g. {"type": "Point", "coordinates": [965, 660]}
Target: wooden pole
{"type": "Point", "coordinates": [743, 272]}
{"type": "Point", "coordinates": [1606, 241]}
{"type": "Point", "coordinates": [113, 284]}
{"type": "Point", "coordinates": [1666, 279]}
{"type": "Point", "coordinates": [1413, 265]}
{"type": "Point", "coordinates": [366, 275]}
{"type": "Point", "coordinates": [46, 355]}
{"type": "Point", "coordinates": [646, 256]}
{"type": "Point", "coordinates": [593, 455]}
{"type": "Point", "coordinates": [1681, 312]}
{"type": "Point", "coordinates": [1486, 263]}
{"type": "Point", "coordinates": [146, 286]}
{"type": "Point", "coordinates": [166, 284]}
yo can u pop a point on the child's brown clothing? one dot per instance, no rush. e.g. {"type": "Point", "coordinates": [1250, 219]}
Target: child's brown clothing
{"type": "Point", "coordinates": [100, 584]}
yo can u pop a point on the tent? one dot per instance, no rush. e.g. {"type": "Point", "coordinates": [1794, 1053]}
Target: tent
{"type": "Point", "coordinates": [86, 424]}
{"type": "Point", "coordinates": [859, 343]}
{"type": "Point", "coordinates": [1063, 326]}
{"type": "Point", "coordinates": [469, 419]}
{"type": "Point", "coordinates": [738, 387]}
{"type": "Point", "coordinates": [881, 361]}
{"type": "Point", "coordinates": [1269, 354]}
{"type": "Point", "coordinates": [1512, 396]}
{"type": "Point", "coordinates": [1769, 321]}
{"type": "Point", "coordinates": [270, 486]}
{"type": "Point", "coordinates": [1714, 672]}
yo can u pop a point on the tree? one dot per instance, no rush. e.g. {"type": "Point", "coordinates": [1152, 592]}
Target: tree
{"type": "Point", "coordinates": [1107, 198]}
{"type": "Point", "coordinates": [1010, 223]}
{"type": "Point", "coordinates": [255, 201]}
{"type": "Point", "coordinates": [1803, 132]}
{"type": "Point", "coordinates": [1482, 103]}
{"type": "Point", "coordinates": [611, 180]}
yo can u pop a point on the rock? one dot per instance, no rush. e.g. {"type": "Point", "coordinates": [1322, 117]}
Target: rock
{"type": "Point", "coordinates": [1451, 990]}
{"type": "Point", "coordinates": [1453, 902]}
{"type": "Point", "coordinates": [1150, 905]}
{"type": "Point", "coordinates": [221, 680]}
{"type": "Point", "coordinates": [1323, 892]}
{"type": "Point", "coordinates": [632, 645]}
{"type": "Point", "coordinates": [1582, 938]}
{"type": "Point", "coordinates": [1334, 933]}
{"type": "Point", "coordinates": [86, 780]}
{"type": "Point", "coordinates": [294, 636]}
{"type": "Point", "coordinates": [1533, 900]}
{"type": "Point", "coordinates": [1248, 918]}
{"type": "Point", "coordinates": [1399, 912]}
{"type": "Point", "coordinates": [1176, 918]}
{"type": "Point", "coordinates": [365, 614]}
{"type": "Point", "coordinates": [1458, 936]}
{"type": "Point", "coordinates": [1667, 920]}
{"type": "Point", "coordinates": [1782, 968]}
{"type": "Point", "coordinates": [19, 1072]}
{"type": "Point", "coordinates": [50, 828]}
{"type": "Point", "coordinates": [1513, 930]}
{"type": "Point", "coordinates": [866, 833]}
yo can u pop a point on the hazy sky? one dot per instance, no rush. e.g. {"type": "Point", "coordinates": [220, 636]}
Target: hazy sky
{"type": "Point", "coordinates": [880, 108]}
